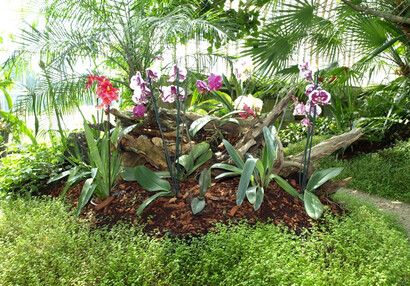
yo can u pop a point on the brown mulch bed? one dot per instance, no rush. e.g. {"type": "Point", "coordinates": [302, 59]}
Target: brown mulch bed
{"type": "Point", "coordinates": [173, 215]}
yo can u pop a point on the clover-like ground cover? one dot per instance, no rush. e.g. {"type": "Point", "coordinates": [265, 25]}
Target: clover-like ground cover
{"type": "Point", "coordinates": [44, 244]}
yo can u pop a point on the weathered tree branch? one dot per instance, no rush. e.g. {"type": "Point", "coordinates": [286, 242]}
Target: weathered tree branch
{"type": "Point", "coordinates": [323, 149]}
{"type": "Point", "coordinates": [390, 17]}
{"type": "Point", "coordinates": [254, 135]}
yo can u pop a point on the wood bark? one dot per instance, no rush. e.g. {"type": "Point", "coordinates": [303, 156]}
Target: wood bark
{"type": "Point", "coordinates": [294, 163]}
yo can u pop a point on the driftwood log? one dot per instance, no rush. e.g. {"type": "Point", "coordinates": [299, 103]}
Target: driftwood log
{"type": "Point", "coordinates": [144, 145]}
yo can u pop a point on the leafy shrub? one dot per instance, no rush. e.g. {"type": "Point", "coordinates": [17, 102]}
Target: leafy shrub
{"type": "Point", "coordinates": [295, 132]}
{"type": "Point", "coordinates": [26, 170]}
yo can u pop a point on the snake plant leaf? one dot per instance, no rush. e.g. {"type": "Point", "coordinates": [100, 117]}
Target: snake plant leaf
{"type": "Point", "coordinates": [251, 194]}
{"type": "Point", "coordinates": [92, 145]}
{"type": "Point", "coordinates": [86, 193]}
{"type": "Point", "coordinates": [285, 185]}
{"type": "Point", "coordinates": [153, 198]}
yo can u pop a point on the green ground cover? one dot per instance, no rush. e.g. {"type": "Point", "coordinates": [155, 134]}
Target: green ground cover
{"type": "Point", "coordinates": [44, 244]}
{"type": "Point", "coordinates": [383, 173]}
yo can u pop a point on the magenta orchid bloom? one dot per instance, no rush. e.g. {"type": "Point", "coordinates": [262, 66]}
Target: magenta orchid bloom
{"type": "Point", "coordinates": [320, 96]}
{"type": "Point", "coordinates": [305, 122]}
{"type": "Point", "coordinates": [309, 89]}
{"type": "Point", "coordinates": [154, 75]}
{"type": "Point", "coordinates": [307, 73]}
{"type": "Point", "coordinates": [300, 109]}
{"type": "Point", "coordinates": [248, 112]}
{"type": "Point", "coordinates": [169, 94]}
{"type": "Point", "coordinates": [310, 107]}
{"type": "Point", "coordinates": [214, 82]}
{"type": "Point", "coordinates": [181, 74]}
{"type": "Point", "coordinates": [202, 86]}
{"type": "Point", "coordinates": [139, 111]}
{"type": "Point", "coordinates": [136, 81]}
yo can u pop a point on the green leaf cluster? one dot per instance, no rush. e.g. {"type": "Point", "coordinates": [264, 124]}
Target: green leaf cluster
{"type": "Point", "coordinates": [253, 171]}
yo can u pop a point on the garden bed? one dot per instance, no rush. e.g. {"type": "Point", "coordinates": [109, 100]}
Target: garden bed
{"type": "Point", "coordinates": [173, 215]}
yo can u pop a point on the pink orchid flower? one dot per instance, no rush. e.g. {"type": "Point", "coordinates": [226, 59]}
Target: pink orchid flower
{"type": "Point", "coordinates": [139, 111]}
{"type": "Point", "coordinates": [248, 112]}
{"type": "Point", "coordinates": [320, 96]}
{"type": "Point", "coordinates": [181, 74]}
{"type": "Point", "coordinates": [214, 82]}
{"type": "Point", "coordinates": [202, 86]}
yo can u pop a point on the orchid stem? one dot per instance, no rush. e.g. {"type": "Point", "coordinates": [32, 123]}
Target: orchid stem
{"type": "Point", "coordinates": [109, 148]}
{"type": "Point", "coordinates": [162, 137]}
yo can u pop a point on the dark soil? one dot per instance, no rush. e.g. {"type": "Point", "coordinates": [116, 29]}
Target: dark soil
{"type": "Point", "coordinates": [173, 215]}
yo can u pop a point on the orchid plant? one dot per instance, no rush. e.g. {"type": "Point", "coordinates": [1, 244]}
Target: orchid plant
{"type": "Point", "coordinates": [143, 92]}
{"type": "Point", "coordinates": [213, 86]}
{"type": "Point", "coordinates": [310, 110]}
{"type": "Point", "coordinates": [105, 162]}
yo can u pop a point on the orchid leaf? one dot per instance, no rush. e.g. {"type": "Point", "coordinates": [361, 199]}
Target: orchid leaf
{"type": "Point", "coordinates": [285, 185]}
{"type": "Point", "coordinates": [126, 130]}
{"type": "Point", "coordinates": [163, 174]}
{"type": "Point", "coordinates": [227, 83]}
{"type": "Point", "coordinates": [202, 159]}
{"type": "Point", "coordinates": [197, 205]}
{"type": "Point", "coordinates": [200, 149]}
{"type": "Point", "coordinates": [259, 199]}
{"type": "Point", "coordinates": [251, 194]}
{"type": "Point", "coordinates": [153, 198]}
{"type": "Point", "coordinates": [230, 120]}
{"type": "Point", "coordinates": [224, 98]}
{"type": "Point", "coordinates": [234, 155]}
{"type": "Point", "coordinates": [187, 161]}
{"type": "Point", "coordinates": [318, 178]}
{"type": "Point", "coordinates": [199, 124]}
{"type": "Point", "coordinates": [204, 181]}
{"type": "Point", "coordinates": [245, 180]}
{"type": "Point", "coordinates": [146, 178]}
{"type": "Point", "coordinates": [313, 205]}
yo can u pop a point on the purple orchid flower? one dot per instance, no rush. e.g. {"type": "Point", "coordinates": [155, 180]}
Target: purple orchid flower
{"type": "Point", "coordinates": [214, 82]}
{"type": "Point", "coordinates": [181, 74]}
{"type": "Point", "coordinates": [202, 86]}
{"type": "Point", "coordinates": [320, 96]}
{"type": "Point", "coordinates": [139, 111]}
